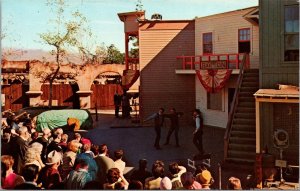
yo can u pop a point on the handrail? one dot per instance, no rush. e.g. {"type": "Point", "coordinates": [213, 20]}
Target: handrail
{"type": "Point", "coordinates": [234, 104]}
{"type": "Point", "coordinates": [192, 61]}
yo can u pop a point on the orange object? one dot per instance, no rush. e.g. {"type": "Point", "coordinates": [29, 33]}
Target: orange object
{"type": "Point", "coordinates": [73, 123]}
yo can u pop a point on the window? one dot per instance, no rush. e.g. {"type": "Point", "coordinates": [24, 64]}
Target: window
{"type": "Point", "coordinates": [207, 43]}
{"type": "Point", "coordinates": [291, 33]}
{"type": "Point", "coordinates": [214, 101]}
{"type": "Point", "coordinates": [244, 40]}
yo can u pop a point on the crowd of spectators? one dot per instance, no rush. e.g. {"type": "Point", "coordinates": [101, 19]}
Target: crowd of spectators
{"type": "Point", "coordinates": [52, 159]}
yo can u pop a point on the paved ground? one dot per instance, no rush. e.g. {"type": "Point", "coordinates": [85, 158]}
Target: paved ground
{"type": "Point", "coordinates": [137, 142]}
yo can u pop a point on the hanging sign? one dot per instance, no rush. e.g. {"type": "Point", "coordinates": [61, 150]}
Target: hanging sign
{"type": "Point", "coordinates": [214, 64]}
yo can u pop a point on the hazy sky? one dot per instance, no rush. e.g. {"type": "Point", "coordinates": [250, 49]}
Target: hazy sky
{"type": "Point", "coordinates": [24, 20]}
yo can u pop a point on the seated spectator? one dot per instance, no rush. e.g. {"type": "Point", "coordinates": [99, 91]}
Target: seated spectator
{"type": "Point", "coordinates": [234, 184]}
{"type": "Point", "coordinates": [33, 155]}
{"type": "Point", "coordinates": [93, 168]}
{"type": "Point", "coordinates": [104, 163]}
{"type": "Point", "coordinates": [114, 177]}
{"type": "Point", "coordinates": [34, 137]}
{"type": "Point", "coordinates": [141, 173]}
{"type": "Point", "coordinates": [93, 185]}
{"type": "Point", "coordinates": [166, 184]}
{"type": "Point", "coordinates": [119, 163]}
{"type": "Point", "coordinates": [54, 144]}
{"type": "Point", "coordinates": [86, 147]}
{"type": "Point", "coordinates": [77, 137]}
{"type": "Point", "coordinates": [6, 142]}
{"type": "Point", "coordinates": [135, 185]}
{"type": "Point", "coordinates": [95, 150]}
{"type": "Point", "coordinates": [176, 171]}
{"type": "Point", "coordinates": [9, 179]}
{"type": "Point", "coordinates": [153, 183]}
{"type": "Point", "coordinates": [78, 177]}
{"type": "Point", "coordinates": [188, 182]}
{"type": "Point", "coordinates": [44, 141]}
{"type": "Point", "coordinates": [64, 142]}
{"type": "Point", "coordinates": [30, 174]}
{"type": "Point", "coordinates": [205, 179]}
{"type": "Point", "coordinates": [69, 158]}
{"type": "Point", "coordinates": [49, 175]}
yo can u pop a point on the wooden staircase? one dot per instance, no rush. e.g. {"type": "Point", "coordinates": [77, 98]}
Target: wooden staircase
{"type": "Point", "coordinates": [240, 140]}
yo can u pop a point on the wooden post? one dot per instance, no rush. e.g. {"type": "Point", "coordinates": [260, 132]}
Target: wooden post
{"type": "Point", "coordinates": [96, 108]}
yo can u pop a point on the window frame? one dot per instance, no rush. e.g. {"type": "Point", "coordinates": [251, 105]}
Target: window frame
{"type": "Point", "coordinates": [283, 34]}
{"type": "Point", "coordinates": [203, 43]}
{"type": "Point", "coordinates": [242, 41]}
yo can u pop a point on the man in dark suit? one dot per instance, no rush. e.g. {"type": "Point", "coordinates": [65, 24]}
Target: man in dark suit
{"type": "Point", "coordinates": [19, 148]}
{"type": "Point", "coordinates": [174, 117]}
{"type": "Point", "coordinates": [104, 163]}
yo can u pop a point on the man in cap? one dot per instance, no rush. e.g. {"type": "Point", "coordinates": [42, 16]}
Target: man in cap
{"type": "Point", "coordinates": [49, 175]}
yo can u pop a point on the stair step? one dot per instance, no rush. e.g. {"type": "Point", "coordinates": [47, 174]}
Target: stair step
{"type": "Point", "coordinates": [250, 79]}
{"type": "Point", "coordinates": [249, 89]}
{"type": "Point", "coordinates": [242, 134]}
{"type": "Point", "coordinates": [241, 154]}
{"type": "Point", "coordinates": [251, 74]}
{"type": "Point", "coordinates": [240, 160]}
{"type": "Point", "coordinates": [246, 104]}
{"type": "Point", "coordinates": [247, 99]}
{"type": "Point", "coordinates": [245, 109]}
{"type": "Point", "coordinates": [246, 94]}
{"type": "Point", "coordinates": [254, 84]}
{"type": "Point", "coordinates": [244, 115]}
{"type": "Point", "coordinates": [239, 140]}
{"type": "Point", "coordinates": [239, 147]}
{"type": "Point", "coordinates": [251, 71]}
{"type": "Point", "coordinates": [243, 121]}
{"type": "Point", "coordinates": [243, 127]}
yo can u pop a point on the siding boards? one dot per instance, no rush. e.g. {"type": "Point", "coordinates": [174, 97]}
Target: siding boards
{"type": "Point", "coordinates": [160, 86]}
{"type": "Point", "coordinates": [224, 28]}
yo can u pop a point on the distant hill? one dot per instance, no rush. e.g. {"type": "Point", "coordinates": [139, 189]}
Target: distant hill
{"type": "Point", "coordinates": [36, 54]}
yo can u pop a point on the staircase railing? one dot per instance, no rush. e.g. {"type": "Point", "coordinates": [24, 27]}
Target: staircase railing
{"type": "Point", "coordinates": [234, 104]}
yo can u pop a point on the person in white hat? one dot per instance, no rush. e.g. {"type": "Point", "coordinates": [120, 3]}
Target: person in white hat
{"type": "Point", "coordinates": [49, 175]}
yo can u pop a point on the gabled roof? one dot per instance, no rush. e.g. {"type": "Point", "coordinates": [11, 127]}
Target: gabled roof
{"type": "Point", "coordinates": [253, 16]}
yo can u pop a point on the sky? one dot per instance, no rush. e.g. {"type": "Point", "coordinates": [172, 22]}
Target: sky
{"type": "Point", "coordinates": [23, 20]}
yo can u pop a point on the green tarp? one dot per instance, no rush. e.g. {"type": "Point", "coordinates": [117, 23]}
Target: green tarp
{"type": "Point", "coordinates": [58, 118]}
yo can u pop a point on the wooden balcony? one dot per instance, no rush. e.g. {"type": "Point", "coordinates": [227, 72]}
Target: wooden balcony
{"type": "Point", "coordinates": [212, 61]}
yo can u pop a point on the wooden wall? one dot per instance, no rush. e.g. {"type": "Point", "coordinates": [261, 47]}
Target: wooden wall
{"type": "Point", "coordinates": [224, 28]}
{"type": "Point", "coordinates": [160, 43]}
{"type": "Point", "coordinates": [274, 71]}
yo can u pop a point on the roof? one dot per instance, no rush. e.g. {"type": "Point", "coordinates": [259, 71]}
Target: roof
{"type": "Point", "coordinates": [122, 16]}
{"type": "Point", "coordinates": [248, 8]}
{"type": "Point", "coordinates": [273, 93]}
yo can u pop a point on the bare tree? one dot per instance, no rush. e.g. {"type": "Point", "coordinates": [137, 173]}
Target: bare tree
{"type": "Point", "coordinates": [63, 35]}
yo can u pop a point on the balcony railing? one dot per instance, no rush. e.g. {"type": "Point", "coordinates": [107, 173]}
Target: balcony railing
{"type": "Point", "coordinates": [133, 63]}
{"type": "Point", "coordinates": [220, 61]}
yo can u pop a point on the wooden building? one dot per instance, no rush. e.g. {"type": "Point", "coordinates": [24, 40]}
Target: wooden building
{"type": "Point", "coordinates": [160, 42]}
{"type": "Point", "coordinates": [278, 108]}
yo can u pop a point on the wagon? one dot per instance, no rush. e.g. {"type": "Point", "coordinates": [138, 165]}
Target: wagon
{"type": "Point", "coordinates": [58, 118]}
